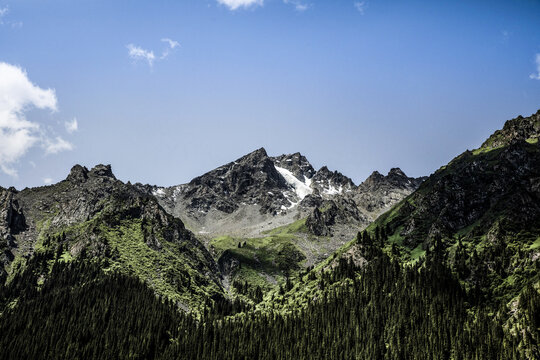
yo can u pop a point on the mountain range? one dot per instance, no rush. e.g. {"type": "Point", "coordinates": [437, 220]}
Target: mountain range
{"type": "Point", "coordinates": [270, 240]}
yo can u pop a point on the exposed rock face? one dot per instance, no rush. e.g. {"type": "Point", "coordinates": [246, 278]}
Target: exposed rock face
{"type": "Point", "coordinates": [472, 188]}
{"type": "Point", "coordinates": [319, 223]}
{"type": "Point", "coordinates": [246, 180]}
{"type": "Point", "coordinates": [498, 182]}
{"type": "Point", "coordinates": [257, 190]}
{"type": "Point", "coordinates": [378, 192]}
{"type": "Point", "coordinates": [12, 222]}
{"type": "Point", "coordinates": [78, 174]}
{"type": "Point", "coordinates": [519, 128]}
{"type": "Point", "coordinates": [297, 164]}
{"type": "Point", "coordinates": [330, 183]}
{"type": "Point", "coordinates": [86, 195]}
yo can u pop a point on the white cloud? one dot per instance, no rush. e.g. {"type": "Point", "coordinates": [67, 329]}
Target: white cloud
{"type": "Point", "coordinates": [236, 4]}
{"type": "Point", "coordinates": [47, 181]}
{"type": "Point", "coordinates": [536, 76]}
{"type": "Point", "coordinates": [3, 12]}
{"type": "Point", "coordinates": [18, 134]}
{"type": "Point", "coordinates": [14, 24]}
{"type": "Point", "coordinates": [71, 126]}
{"type": "Point", "coordinates": [360, 6]}
{"type": "Point", "coordinates": [138, 53]}
{"type": "Point", "coordinates": [172, 43]}
{"type": "Point", "coordinates": [54, 146]}
{"type": "Point", "coordinates": [298, 5]}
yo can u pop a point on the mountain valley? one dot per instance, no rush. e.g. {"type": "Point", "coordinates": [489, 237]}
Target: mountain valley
{"type": "Point", "coordinates": [264, 250]}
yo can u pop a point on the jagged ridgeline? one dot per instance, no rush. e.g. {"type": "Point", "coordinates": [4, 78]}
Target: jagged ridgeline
{"type": "Point", "coordinates": [450, 270]}
{"type": "Point", "coordinates": [268, 218]}
{"type": "Point", "coordinates": [125, 230]}
{"type": "Point", "coordinates": [484, 210]}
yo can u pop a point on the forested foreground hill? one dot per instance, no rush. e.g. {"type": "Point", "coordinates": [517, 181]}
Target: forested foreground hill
{"type": "Point", "coordinates": [383, 311]}
{"type": "Point", "coordinates": [450, 272]}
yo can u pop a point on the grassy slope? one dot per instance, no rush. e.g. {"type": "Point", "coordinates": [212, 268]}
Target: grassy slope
{"type": "Point", "coordinates": [267, 258]}
{"type": "Point", "coordinates": [266, 261]}
{"type": "Point", "coordinates": [520, 246]}
{"type": "Point", "coordinates": [171, 269]}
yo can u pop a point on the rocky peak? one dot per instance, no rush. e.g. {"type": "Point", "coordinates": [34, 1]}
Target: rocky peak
{"type": "Point", "coordinates": [396, 172]}
{"type": "Point", "coordinates": [254, 157]}
{"type": "Point", "coordinates": [296, 163]}
{"type": "Point", "coordinates": [78, 174]}
{"type": "Point", "coordinates": [330, 183]}
{"type": "Point", "coordinates": [520, 128]}
{"type": "Point", "coordinates": [396, 178]}
{"type": "Point", "coordinates": [334, 176]}
{"type": "Point", "coordinates": [374, 179]}
{"type": "Point", "coordinates": [102, 171]}
{"type": "Point", "coordinates": [247, 180]}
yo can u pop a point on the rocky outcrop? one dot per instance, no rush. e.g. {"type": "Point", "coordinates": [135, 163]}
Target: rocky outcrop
{"type": "Point", "coordinates": [520, 128]}
{"type": "Point", "coordinates": [330, 183]}
{"type": "Point", "coordinates": [319, 223]}
{"type": "Point", "coordinates": [378, 193]}
{"type": "Point", "coordinates": [256, 189]}
{"type": "Point", "coordinates": [297, 164]}
{"type": "Point", "coordinates": [496, 184]}
{"type": "Point", "coordinates": [272, 184]}
{"type": "Point", "coordinates": [87, 209]}
{"type": "Point", "coordinates": [12, 222]}
{"type": "Point", "coordinates": [477, 188]}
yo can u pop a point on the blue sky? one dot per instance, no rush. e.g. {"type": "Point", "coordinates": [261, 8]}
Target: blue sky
{"type": "Point", "coordinates": [354, 85]}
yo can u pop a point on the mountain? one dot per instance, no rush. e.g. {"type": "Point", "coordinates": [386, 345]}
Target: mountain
{"type": "Point", "coordinates": [360, 205]}
{"type": "Point", "coordinates": [289, 215]}
{"type": "Point", "coordinates": [94, 214]}
{"type": "Point", "coordinates": [449, 270]}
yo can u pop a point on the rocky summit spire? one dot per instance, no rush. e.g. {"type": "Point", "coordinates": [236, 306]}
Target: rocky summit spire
{"type": "Point", "coordinates": [103, 171]}
{"type": "Point", "coordinates": [78, 174]}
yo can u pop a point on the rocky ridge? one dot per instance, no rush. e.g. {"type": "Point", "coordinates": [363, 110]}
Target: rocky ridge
{"type": "Point", "coordinates": [271, 191]}
{"type": "Point", "coordinates": [93, 212]}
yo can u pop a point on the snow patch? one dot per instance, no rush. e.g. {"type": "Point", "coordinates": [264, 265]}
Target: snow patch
{"type": "Point", "coordinates": [302, 189]}
{"type": "Point", "coordinates": [331, 190]}
{"type": "Point", "coordinates": [158, 192]}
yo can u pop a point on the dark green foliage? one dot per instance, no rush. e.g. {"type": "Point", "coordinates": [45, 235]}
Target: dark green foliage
{"type": "Point", "coordinates": [389, 312]}
{"type": "Point", "coordinates": [82, 313]}
{"type": "Point", "coordinates": [382, 311]}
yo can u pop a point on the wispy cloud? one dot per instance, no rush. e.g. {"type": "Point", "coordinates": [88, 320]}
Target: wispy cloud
{"type": "Point", "coordinates": [3, 12]}
{"type": "Point", "coordinates": [137, 53]}
{"type": "Point", "coordinates": [360, 6]}
{"type": "Point", "coordinates": [172, 45]}
{"type": "Point", "coordinates": [237, 4]}
{"type": "Point", "coordinates": [536, 76]}
{"type": "Point", "coordinates": [47, 181]}
{"type": "Point", "coordinates": [56, 145]}
{"type": "Point", "coordinates": [298, 5]}
{"type": "Point", "coordinates": [71, 126]}
{"type": "Point", "coordinates": [14, 24]}
{"type": "Point", "coordinates": [18, 134]}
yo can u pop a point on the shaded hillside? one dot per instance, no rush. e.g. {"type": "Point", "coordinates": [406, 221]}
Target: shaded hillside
{"type": "Point", "coordinates": [484, 208]}
{"type": "Point", "coordinates": [93, 212]}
